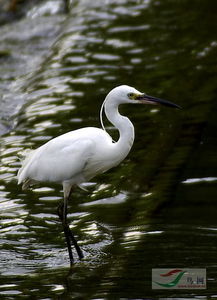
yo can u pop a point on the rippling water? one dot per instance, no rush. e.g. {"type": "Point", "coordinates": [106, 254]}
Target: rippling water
{"type": "Point", "coordinates": [157, 209]}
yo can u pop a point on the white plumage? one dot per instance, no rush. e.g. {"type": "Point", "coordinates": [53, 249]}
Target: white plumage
{"type": "Point", "coordinates": [77, 156]}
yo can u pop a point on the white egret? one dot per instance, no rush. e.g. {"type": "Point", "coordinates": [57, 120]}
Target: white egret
{"type": "Point", "coordinates": [77, 156]}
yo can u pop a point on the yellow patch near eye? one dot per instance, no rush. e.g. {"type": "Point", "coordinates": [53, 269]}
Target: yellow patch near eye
{"type": "Point", "coordinates": [132, 96]}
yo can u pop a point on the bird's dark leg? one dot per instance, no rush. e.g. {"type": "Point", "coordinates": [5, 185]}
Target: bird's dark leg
{"type": "Point", "coordinates": [62, 212]}
{"type": "Point", "coordinates": [66, 230]}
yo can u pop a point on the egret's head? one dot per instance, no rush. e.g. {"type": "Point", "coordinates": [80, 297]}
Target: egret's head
{"type": "Point", "coordinates": [128, 94]}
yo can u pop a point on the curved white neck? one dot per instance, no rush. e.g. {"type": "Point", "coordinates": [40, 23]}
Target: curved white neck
{"type": "Point", "coordinates": [124, 126]}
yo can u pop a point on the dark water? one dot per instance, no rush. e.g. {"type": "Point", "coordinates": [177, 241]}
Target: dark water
{"type": "Point", "coordinates": [158, 208]}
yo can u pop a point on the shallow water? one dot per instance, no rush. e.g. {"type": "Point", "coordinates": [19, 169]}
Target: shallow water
{"type": "Point", "coordinates": [157, 209]}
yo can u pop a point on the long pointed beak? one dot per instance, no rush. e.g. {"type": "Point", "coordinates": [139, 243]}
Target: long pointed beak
{"type": "Point", "coordinates": [152, 100]}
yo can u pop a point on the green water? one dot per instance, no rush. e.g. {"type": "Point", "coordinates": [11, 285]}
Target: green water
{"type": "Point", "coordinates": [158, 208]}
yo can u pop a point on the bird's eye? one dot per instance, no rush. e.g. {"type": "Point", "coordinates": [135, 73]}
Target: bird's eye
{"type": "Point", "coordinates": [131, 96]}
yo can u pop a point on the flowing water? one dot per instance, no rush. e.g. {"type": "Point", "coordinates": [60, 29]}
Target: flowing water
{"type": "Point", "coordinates": [158, 208]}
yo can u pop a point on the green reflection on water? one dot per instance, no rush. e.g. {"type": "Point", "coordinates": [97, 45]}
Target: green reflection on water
{"type": "Point", "coordinates": [166, 49]}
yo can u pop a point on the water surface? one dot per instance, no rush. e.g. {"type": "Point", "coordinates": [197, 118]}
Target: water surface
{"type": "Point", "coordinates": [157, 209]}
